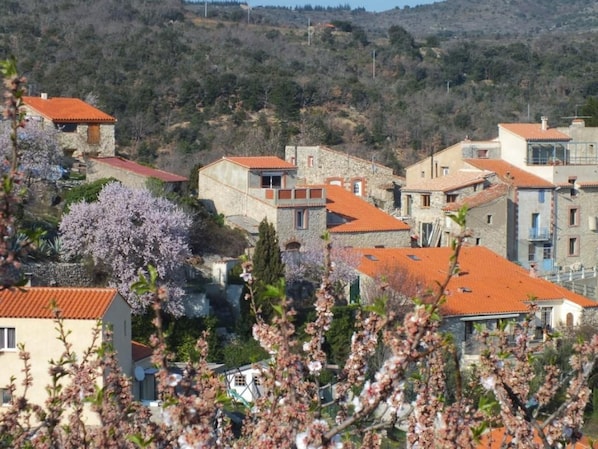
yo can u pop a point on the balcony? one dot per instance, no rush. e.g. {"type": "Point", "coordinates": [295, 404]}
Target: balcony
{"type": "Point", "coordinates": [538, 234]}
{"type": "Point", "coordinates": [308, 196]}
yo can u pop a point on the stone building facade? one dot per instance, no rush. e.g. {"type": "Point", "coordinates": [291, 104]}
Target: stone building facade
{"type": "Point", "coordinates": [85, 130]}
{"type": "Point", "coordinates": [369, 180]}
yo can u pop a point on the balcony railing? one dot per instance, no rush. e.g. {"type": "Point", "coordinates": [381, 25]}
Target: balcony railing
{"type": "Point", "coordinates": [308, 196]}
{"type": "Point", "coordinates": [538, 234]}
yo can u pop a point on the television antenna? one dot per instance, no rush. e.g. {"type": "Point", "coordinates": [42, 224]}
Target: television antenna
{"type": "Point", "coordinates": [577, 116]}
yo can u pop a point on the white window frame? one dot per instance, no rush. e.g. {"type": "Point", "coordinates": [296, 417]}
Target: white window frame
{"type": "Point", "coordinates": [5, 340]}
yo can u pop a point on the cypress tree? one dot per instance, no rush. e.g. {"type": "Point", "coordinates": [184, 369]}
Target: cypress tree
{"type": "Point", "coordinates": [267, 261]}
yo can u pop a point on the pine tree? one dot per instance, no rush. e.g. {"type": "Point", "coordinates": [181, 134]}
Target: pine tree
{"type": "Point", "coordinates": [267, 261]}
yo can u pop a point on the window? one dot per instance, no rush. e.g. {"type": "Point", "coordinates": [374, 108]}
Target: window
{"type": "Point", "coordinates": [573, 216]}
{"type": "Point", "coordinates": [572, 191]}
{"type": "Point", "coordinates": [425, 200]}
{"type": "Point", "coordinates": [478, 241]}
{"type": "Point", "coordinates": [240, 380]}
{"type": "Point", "coordinates": [358, 188]}
{"type": "Point", "coordinates": [482, 154]}
{"type": "Point", "coordinates": [541, 195]}
{"type": "Point", "coordinates": [489, 219]}
{"type": "Point", "coordinates": [546, 316]}
{"type": "Point", "coordinates": [573, 246]}
{"type": "Point", "coordinates": [66, 127]}
{"type": "Point", "coordinates": [271, 181]}
{"type": "Point", "coordinates": [5, 396]}
{"type": "Point", "coordinates": [535, 220]}
{"type": "Point", "coordinates": [93, 134]}
{"type": "Point", "coordinates": [310, 161]}
{"type": "Point", "coordinates": [7, 338]}
{"type": "Point", "coordinates": [422, 174]}
{"type": "Point", "coordinates": [547, 251]}
{"type": "Point", "coordinates": [301, 219]}
{"type": "Point", "coordinates": [408, 205]}
{"type": "Point", "coordinates": [451, 198]}
{"type": "Point", "coordinates": [256, 381]}
{"type": "Point", "coordinates": [445, 171]}
{"type": "Point", "coordinates": [531, 252]}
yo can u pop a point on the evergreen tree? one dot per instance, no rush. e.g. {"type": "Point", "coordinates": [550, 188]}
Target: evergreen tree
{"type": "Point", "coordinates": [267, 261]}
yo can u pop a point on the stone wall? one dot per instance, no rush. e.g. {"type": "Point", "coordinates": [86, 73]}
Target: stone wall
{"type": "Point", "coordinates": [59, 274]}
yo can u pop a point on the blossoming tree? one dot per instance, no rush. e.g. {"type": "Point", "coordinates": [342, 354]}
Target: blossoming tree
{"type": "Point", "coordinates": [123, 232]}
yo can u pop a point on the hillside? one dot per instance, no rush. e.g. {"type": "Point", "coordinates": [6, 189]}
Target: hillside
{"type": "Point", "coordinates": [187, 89]}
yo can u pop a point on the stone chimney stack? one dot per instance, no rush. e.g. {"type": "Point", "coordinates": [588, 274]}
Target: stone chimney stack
{"type": "Point", "coordinates": [544, 123]}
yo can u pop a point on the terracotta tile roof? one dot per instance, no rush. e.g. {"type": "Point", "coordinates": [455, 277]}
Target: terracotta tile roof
{"type": "Point", "coordinates": [496, 285]}
{"type": "Point", "coordinates": [584, 184]}
{"type": "Point", "coordinates": [477, 199]}
{"type": "Point", "coordinates": [67, 110]}
{"type": "Point", "coordinates": [361, 216]}
{"type": "Point", "coordinates": [534, 132]}
{"type": "Point", "coordinates": [510, 173]}
{"type": "Point", "coordinates": [139, 169]}
{"type": "Point", "coordinates": [140, 351]}
{"type": "Point", "coordinates": [458, 180]}
{"type": "Point", "coordinates": [74, 303]}
{"type": "Point", "coordinates": [495, 439]}
{"type": "Point", "coordinates": [260, 162]}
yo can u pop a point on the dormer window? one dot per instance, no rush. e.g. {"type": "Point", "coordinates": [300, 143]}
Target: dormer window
{"type": "Point", "coordinates": [271, 180]}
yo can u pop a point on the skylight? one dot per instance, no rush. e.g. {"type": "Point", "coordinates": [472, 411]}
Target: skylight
{"type": "Point", "coordinates": [413, 257]}
{"type": "Point", "coordinates": [371, 257]}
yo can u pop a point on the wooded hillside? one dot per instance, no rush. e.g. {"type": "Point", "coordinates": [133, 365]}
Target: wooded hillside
{"type": "Point", "coordinates": [187, 89]}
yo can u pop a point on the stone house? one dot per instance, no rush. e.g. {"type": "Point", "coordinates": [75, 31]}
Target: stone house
{"type": "Point", "coordinates": [556, 223]}
{"type": "Point", "coordinates": [423, 203]}
{"type": "Point", "coordinates": [487, 289]}
{"type": "Point", "coordinates": [489, 213]}
{"type": "Point", "coordinates": [26, 317]}
{"type": "Point", "coordinates": [248, 189]}
{"type": "Point", "coordinates": [356, 223]}
{"type": "Point", "coordinates": [85, 130]}
{"type": "Point", "coordinates": [528, 236]}
{"type": "Point", "coordinates": [367, 179]}
{"type": "Point", "coordinates": [131, 174]}
{"type": "Point", "coordinates": [450, 160]}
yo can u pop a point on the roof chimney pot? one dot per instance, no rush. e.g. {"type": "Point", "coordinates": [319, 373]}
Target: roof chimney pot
{"type": "Point", "coordinates": [44, 96]}
{"type": "Point", "coordinates": [544, 123]}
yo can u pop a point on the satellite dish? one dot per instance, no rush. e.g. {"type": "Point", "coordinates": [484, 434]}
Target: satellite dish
{"type": "Point", "coordinates": [139, 373]}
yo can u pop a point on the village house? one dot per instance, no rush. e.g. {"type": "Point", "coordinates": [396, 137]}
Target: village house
{"type": "Point", "coordinates": [84, 129]}
{"type": "Point", "coordinates": [556, 219]}
{"type": "Point", "coordinates": [528, 239]}
{"type": "Point", "coordinates": [27, 318]}
{"type": "Point", "coordinates": [131, 174]}
{"type": "Point", "coordinates": [248, 189]}
{"type": "Point", "coordinates": [367, 179]}
{"type": "Point", "coordinates": [485, 290]}
{"type": "Point", "coordinates": [424, 201]}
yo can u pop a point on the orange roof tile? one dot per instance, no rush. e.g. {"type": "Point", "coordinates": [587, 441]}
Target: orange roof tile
{"type": "Point", "coordinates": [458, 180]}
{"type": "Point", "coordinates": [260, 162]}
{"type": "Point", "coordinates": [477, 199]}
{"type": "Point", "coordinates": [495, 285]}
{"type": "Point", "coordinates": [139, 169]}
{"type": "Point", "coordinates": [361, 216]}
{"type": "Point", "coordinates": [496, 439]}
{"type": "Point", "coordinates": [74, 303]}
{"type": "Point", "coordinates": [534, 132]}
{"type": "Point", "coordinates": [140, 351]}
{"type": "Point", "coordinates": [510, 173]}
{"type": "Point", "coordinates": [67, 110]}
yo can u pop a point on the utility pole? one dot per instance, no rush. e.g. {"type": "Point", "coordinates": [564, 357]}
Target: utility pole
{"type": "Point", "coordinates": [205, 12]}
{"type": "Point", "coordinates": [374, 64]}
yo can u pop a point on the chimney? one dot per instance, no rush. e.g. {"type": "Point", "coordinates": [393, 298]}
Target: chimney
{"type": "Point", "coordinates": [544, 123]}
{"type": "Point", "coordinates": [44, 96]}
